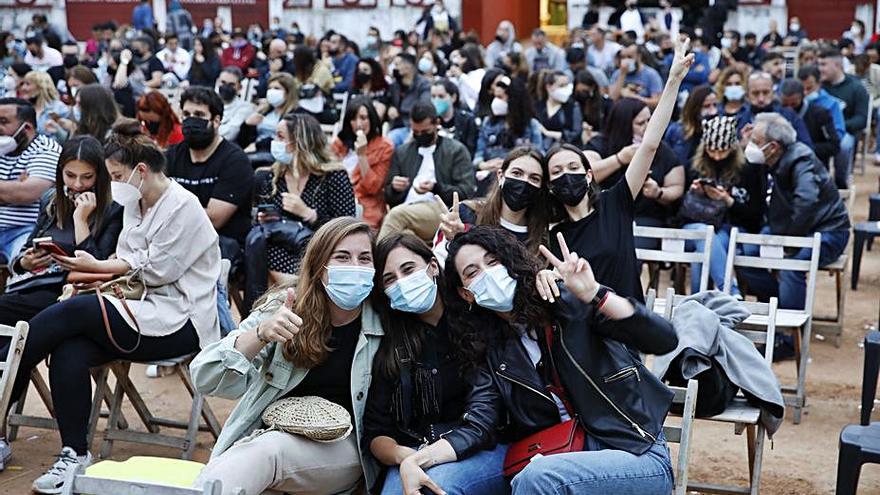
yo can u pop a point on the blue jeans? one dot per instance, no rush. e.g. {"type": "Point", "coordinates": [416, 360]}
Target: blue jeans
{"type": "Point", "coordinates": [717, 259]}
{"type": "Point", "coordinates": [481, 473]}
{"type": "Point", "coordinates": [224, 312]}
{"type": "Point", "coordinates": [599, 470]}
{"type": "Point", "coordinates": [790, 286]}
{"type": "Point", "coordinates": [12, 239]}
{"type": "Point", "coordinates": [843, 161]}
{"type": "Point", "coordinates": [398, 136]}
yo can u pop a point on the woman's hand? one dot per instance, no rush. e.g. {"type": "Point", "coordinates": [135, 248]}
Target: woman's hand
{"type": "Point", "coordinates": [413, 478]}
{"type": "Point", "coordinates": [491, 165]}
{"type": "Point", "coordinates": [682, 61]}
{"type": "Point", "coordinates": [547, 286]}
{"type": "Point", "coordinates": [81, 261]}
{"type": "Point", "coordinates": [718, 193]}
{"type": "Point", "coordinates": [283, 324]}
{"type": "Point", "coordinates": [294, 204]}
{"type": "Point", "coordinates": [125, 57]}
{"type": "Point", "coordinates": [626, 154]}
{"type": "Point", "coordinates": [574, 270]}
{"type": "Point", "coordinates": [651, 189]}
{"type": "Point", "coordinates": [586, 132]}
{"type": "Point", "coordinates": [35, 259]}
{"type": "Point", "coordinates": [360, 143]}
{"type": "Point", "coordinates": [85, 204]}
{"type": "Point", "coordinates": [450, 223]}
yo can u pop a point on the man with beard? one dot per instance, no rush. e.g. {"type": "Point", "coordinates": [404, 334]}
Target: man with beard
{"type": "Point", "coordinates": [407, 89]}
{"type": "Point", "coordinates": [235, 109]}
{"type": "Point", "coordinates": [344, 63]}
{"type": "Point", "coordinates": [762, 99]}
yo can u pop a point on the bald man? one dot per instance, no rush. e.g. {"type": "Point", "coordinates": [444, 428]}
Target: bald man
{"type": "Point", "coordinates": [278, 60]}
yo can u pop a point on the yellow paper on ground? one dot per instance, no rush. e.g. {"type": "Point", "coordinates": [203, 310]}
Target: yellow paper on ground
{"type": "Point", "coordinates": [159, 470]}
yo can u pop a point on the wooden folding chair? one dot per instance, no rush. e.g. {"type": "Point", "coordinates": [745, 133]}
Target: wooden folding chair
{"type": "Point", "coordinates": [77, 482]}
{"type": "Point", "coordinates": [4, 276]}
{"type": "Point", "coordinates": [865, 136]}
{"type": "Point", "coordinates": [682, 433]}
{"type": "Point", "coordinates": [672, 250]}
{"type": "Point", "coordinates": [743, 416]}
{"type": "Point", "coordinates": [797, 322]}
{"type": "Point", "coordinates": [832, 325]}
{"type": "Point", "coordinates": [9, 367]}
{"type": "Point", "coordinates": [199, 410]}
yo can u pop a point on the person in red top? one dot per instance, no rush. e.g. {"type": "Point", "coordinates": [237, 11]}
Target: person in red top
{"type": "Point", "coordinates": [159, 120]}
{"type": "Point", "coordinates": [367, 157]}
{"type": "Point", "coordinates": [239, 53]}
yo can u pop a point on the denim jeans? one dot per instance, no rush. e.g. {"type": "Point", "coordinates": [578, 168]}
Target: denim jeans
{"type": "Point", "coordinates": [398, 136]}
{"type": "Point", "coordinates": [843, 161]}
{"type": "Point", "coordinates": [790, 286]}
{"type": "Point", "coordinates": [12, 239]}
{"type": "Point", "coordinates": [599, 470]}
{"type": "Point", "coordinates": [224, 312]}
{"type": "Point", "coordinates": [481, 473]}
{"type": "Point", "coordinates": [717, 259]}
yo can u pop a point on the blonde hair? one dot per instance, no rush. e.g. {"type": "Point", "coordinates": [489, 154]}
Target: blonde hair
{"type": "Point", "coordinates": [46, 92]}
{"type": "Point", "coordinates": [725, 75]}
{"type": "Point", "coordinates": [311, 153]}
{"type": "Point", "coordinates": [290, 94]}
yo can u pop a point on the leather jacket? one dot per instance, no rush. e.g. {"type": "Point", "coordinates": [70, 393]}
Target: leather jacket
{"type": "Point", "coordinates": [616, 399]}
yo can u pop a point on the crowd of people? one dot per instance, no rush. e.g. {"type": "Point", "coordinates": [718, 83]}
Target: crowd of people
{"type": "Point", "coordinates": [405, 218]}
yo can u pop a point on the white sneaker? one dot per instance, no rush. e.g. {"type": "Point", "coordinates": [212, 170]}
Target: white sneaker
{"type": "Point", "coordinates": [52, 481]}
{"type": "Point", "coordinates": [5, 453]}
{"type": "Point", "coordinates": [877, 158]}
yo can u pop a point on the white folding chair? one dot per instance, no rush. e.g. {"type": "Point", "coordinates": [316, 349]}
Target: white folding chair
{"type": "Point", "coordinates": [672, 249]}
{"type": "Point", "coordinates": [9, 367]}
{"type": "Point", "coordinates": [798, 322]}
{"type": "Point", "coordinates": [743, 416]}
{"type": "Point", "coordinates": [682, 433]}
{"type": "Point", "coordinates": [832, 325]}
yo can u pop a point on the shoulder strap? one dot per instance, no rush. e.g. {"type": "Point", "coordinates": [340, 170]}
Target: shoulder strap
{"type": "Point", "coordinates": [556, 387]}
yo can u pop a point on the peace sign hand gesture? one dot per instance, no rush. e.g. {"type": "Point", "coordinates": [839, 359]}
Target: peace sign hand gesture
{"type": "Point", "coordinates": [682, 61]}
{"type": "Point", "coordinates": [574, 270]}
{"type": "Point", "coordinates": [450, 223]}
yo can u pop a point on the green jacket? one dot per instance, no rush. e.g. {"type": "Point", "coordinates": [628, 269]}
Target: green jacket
{"type": "Point", "coordinates": [220, 370]}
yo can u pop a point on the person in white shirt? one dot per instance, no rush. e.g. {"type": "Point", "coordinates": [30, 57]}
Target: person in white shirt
{"type": "Point", "coordinates": [174, 58]}
{"type": "Point", "coordinates": [40, 56]}
{"type": "Point", "coordinates": [631, 20]}
{"type": "Point", "coordinates": [235, 109]}
{"type": "Point", "coordinates": [601, 52]}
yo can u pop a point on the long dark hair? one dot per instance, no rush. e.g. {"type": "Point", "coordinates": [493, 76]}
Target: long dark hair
{"type": "Point", "coordinates": [404, 337]}
{"type": "Point", "coordinates": [519, 108]}
{"type": "Point", "coordinates": [484, 100]}
{"type": "Point", "coordinates": [691, 119]}
{"type": "Point", "coordinates": [304, 61]}
{"type": "Point", "coordinates": [347, 135]}
{"type": "Point", "coordinates": [536, 215]}
{"type": "Point", "coordinates": [593, 109]}
{"type": "Point", "coordinates": [99, 111]}
{"type": "Point", "coordinates": [556, 211]}
{"type": "Point", "coordinates": [473, 328]}
{"type": "Point", "coordinates": [89, 150]}
{"type": "Point", "coordinates": [618, 127]}
{"type": "Point", "coordinates": [377, 76]}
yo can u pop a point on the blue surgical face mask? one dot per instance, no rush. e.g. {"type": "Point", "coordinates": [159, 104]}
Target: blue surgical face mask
{"type": "Point", "coordinates": [494, 289]}
{"type": "Point", "coordinates": [77, 113]}
{"type": "Point", "coordinates": [811, 97]}
{"type": "Point", "coordinates": [280, 153]}
{"type": "Point", "coordinates": [348, 286]}
{"type": "Point", "coordinates": [441, 105]}
{"type": "Point", "coordinates": [414, 293]}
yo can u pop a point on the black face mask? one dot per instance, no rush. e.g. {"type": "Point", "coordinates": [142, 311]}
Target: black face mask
{"type": "Point", "coordinates": [756, 109]}
{"type": "Point", "coordinates": [153, 127]}
{"type": "Point", "coordinates": [362, 77]}
{"type": "Point", "coordinates": [70, 61]}
{"type": "Point", "coordinates": [668, 51]}
{"type": "Point", "coordinates": [570, 188]}
{"type": "Point", "coordinates": [499, 39]}
{"type": "Point", "coordinates": [197, 133]}
{"type": "Point", "coordinates": [396, 74]}
{"type": "Point", "coordinates": [137, 54]}
{"type": "Point", "coordinates": [333, 51]}
{"type": "Point", "coordinates": [227, 92]}
{"type": "Point", "coordinates": [582, 96]}
{"type": "Point", "coordinates": [518, 194]}
{"type": "Point", "coordinates": [424, 139]}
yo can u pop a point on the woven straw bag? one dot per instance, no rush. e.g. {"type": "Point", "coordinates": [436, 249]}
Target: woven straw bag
{"type": "Point", "coordinates": [313, 417]}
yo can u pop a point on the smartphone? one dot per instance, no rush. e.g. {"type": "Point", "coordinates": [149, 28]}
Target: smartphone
{"type": "Point", "coordinates": [46, 244]}
{"type": "Point", "coordinates": [269, 209]}
{"type": "Point", "coordinates": [707, 182]}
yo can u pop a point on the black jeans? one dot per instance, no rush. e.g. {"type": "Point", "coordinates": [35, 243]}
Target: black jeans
{"type": "Point", "coordinates": [25, 304]}
{"type": "Point", "coordinates": [73, 333]}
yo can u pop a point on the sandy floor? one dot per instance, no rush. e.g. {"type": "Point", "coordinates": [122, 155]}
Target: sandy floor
{"type": "Point", "coordinates": [803, 459]}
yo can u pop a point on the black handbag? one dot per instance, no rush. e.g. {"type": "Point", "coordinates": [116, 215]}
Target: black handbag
{"type": "Point", "coordinates": [699, 208]}
{"type": "Point", "coordinates": [293, 235]}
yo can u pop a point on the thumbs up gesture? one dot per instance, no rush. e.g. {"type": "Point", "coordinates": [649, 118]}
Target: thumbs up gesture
{"type": "Point", "coordinates": [284, 324]}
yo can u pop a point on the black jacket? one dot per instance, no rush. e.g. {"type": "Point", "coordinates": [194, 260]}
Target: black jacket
{"type": "Point", "coordinates": [615, 397]}
{"type": "Point", "coordinates": [804, 199]}
{"type": "Point", "coordinates": [452, 168]}
{"type": "Point", "coordinates": [820, 124]}
{"type": "Point", "coordinates": [465, 129]}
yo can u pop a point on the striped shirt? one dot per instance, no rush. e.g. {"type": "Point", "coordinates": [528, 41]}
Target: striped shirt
{"type": "Point", "coordinates": [39, 160]}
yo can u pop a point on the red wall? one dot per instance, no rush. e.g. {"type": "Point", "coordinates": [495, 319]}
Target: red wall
{"type": "Point", "coordinates": [824, 18]}
{"type": "Point", "coordinates": [484, 15]}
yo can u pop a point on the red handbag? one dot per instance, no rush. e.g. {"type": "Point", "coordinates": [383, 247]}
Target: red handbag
{"type": "Point", "coordinates": [568, 436]}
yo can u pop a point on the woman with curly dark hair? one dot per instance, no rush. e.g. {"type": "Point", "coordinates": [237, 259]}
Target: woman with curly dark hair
{"type": "Point", "coordinates": [517, 345]}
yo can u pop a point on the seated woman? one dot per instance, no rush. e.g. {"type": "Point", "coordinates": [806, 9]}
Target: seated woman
{"type": "Point", "coordinates": [79, 215]}
{"type": "Point", "coordinates": [305, 184]}
{"type": "Point", "coordinates": [280, 100]}
{"type": "Point", "coordinates": [159, 119]}
{"type": "Point", "coordinates": [456, 122]}
{"type": "Point", "coordinates": [369, 81]}
{"type": "Point", "coordinates": [721, 176]}
{"type": "Point", "coordinates": [556, 111]}
{"type": "Point", "coordinates": [510, 125]}
{"type": "Point", "coordinates": [38, 88]}
{"type": "Point", "coordinates": [417, 395]}
{"type": "Point", "coordinates": [516, 203]}
{"type": "Point", "coordinates": [313, 83]}
{"type": "Point", "coordinates": [593, 104]}
{"type": "Point", "coordinates": [684, 135]}
{"type": "Point", "coordinates": [366, 156]}
{"type": "Point", "coordinates": [318, 340]}
{"type": "Point", "coordinates": [731, 90]}
{"type": "Point", "coordinates": [501, 327]}
{"type": "Point", "coordinates": [177, 315]}
{"type": "Point", "coordinates": [94, 112]}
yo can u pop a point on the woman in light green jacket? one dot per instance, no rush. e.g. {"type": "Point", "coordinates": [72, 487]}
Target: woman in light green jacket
{"type": "Point", "coordinates": [317, 340]}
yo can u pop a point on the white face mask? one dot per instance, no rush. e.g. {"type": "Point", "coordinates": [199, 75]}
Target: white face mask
{"type": "Point", "coordinates": [734, 93]}
{"type": "Point", "coordinates": [755, 153]}
{"type": "Point", "coordinates": [8, 144]}
{"type": "Point", "coordinates": [630, 66]}
{"type": "Point", "coordinates": [9, 84]}
{"type": "Point", "coordinates": [275, 97]}
{"type": "Point", "coordinates": [499, 107]}
{"type": "Point", "coordinates": [562, 94]}
{"type": "Point", "coordinates": [726, 42]}
{"type": "Point", "coordinates": [124, 193]}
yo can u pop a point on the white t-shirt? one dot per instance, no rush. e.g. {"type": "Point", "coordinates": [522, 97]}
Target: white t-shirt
{"type": "Point", "coordinates": [426, 172]}
{"type": "Point", "coordinates": [604, 58]}
{"type": "Point", "coordinates": [534, 352]}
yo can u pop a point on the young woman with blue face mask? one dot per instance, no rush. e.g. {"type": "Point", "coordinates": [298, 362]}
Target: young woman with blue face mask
{"type": "Point", "coordinates": [500, 325]}
{"type": "Point", "coordinates": [417, 397]}
{"type": "Point", "coordinates": [317, 337]}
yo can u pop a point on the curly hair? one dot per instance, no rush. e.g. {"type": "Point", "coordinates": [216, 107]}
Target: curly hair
{"type": "Point", "coordinates": [474, 328]}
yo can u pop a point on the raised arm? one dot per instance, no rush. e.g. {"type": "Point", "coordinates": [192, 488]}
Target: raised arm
{"type": "Point", "coordinates": [641, 162]}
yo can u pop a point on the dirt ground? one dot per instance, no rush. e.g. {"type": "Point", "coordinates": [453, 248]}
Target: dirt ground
{"type": "Point", "coordinates": [803, 458]}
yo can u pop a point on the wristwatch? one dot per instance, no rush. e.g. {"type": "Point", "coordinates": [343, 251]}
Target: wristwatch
{"type": "Point", "coordinates": [601, 296]}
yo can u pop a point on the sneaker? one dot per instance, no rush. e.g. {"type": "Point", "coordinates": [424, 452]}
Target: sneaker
{"type": "Point", "coordinates": [876, 158]}
{"type": "Point", "coordinates": [52, 481]}
{"type": "Point", "coordinates": [5, 453]}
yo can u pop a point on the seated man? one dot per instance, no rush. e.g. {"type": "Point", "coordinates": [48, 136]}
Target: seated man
{"type": "Point", "coordinates": [762, 99]}
{"type": "Point", "coordinates": [235, 109]}
{"type": "Point", "coordinates": [175, 59]}
{"type": "Point", "coordinates": [634, 79]}
{"type": "Point", "coordinates": [27, 169]}
{"type": "Point", "coordinates": [803, 200]}
{"type": "Point", "coordinates": [854, 102]}
{"type": "Point", "coordinates": [214, 169]}
{"type": "Point", "coordinates": [422, 167]}
{"type": "Point", "coordinates": [820, 124]}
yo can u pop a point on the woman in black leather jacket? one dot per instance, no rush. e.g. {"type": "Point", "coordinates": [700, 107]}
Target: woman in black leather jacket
{"type": "Point", "coordinates": [498, 320]}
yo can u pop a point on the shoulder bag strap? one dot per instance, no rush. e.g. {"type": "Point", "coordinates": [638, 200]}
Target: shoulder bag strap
{"type": "Point", "coordinates": [556, 387]}
{"type": "Point", "coordinates": [118, 293]}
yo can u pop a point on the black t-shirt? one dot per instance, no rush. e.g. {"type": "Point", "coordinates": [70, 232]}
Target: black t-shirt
{"type": "Point", "coordinates": [226, 175]}
{"type": "Point", "coordinates": [605, 239]}
{"type": "Point", "coordinates": [664, 161]}
{"type": "Point", "coordinates": [151, 65]}
{"type": "Point", "coordinates": [331, 379]}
